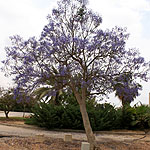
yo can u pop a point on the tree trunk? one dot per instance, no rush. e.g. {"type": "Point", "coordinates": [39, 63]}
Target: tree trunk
{"type": "Point", "coordinates": [86, 122]}
{"type": "Point", "coordinates": [87, 126]}
{"type": "Point", "coordinates": [23, 110]}
{"type": "Point", "coordinates": [6, 114]}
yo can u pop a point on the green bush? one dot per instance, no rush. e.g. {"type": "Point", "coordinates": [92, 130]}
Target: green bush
{"type": "Point", "coordinates": [102, 117]}
{"type": "Point", "coordinates": [137, 117]}
{"type": "Point", "coordinates": [142, 117]}
{"type": "Point", "coordinates": [71, 118]}
{"type": "Point", "coordinates": [52, 116]}
{"type": "Point", "coordinates": [124, 117]}
{"type": "Point", "coordinates": [46, 115]}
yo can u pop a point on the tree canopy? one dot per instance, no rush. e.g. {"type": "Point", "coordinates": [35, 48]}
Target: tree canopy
{"type": "Point", "coordinates": [74, 51]}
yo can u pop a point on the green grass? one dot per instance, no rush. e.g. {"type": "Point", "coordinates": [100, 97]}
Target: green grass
{"type": "Point", "coordinates": [12, 119]}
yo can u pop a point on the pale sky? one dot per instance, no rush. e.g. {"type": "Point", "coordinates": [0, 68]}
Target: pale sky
{"type": "Point", "coordinates": [28, 17]}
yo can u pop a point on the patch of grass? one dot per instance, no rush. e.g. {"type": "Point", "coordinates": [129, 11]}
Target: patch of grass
{"type": "Point", "coordinates": [12, 119]}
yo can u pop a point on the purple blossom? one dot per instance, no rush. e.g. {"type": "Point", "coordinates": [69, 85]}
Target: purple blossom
{"type": "Point", "coordinates": [55, 11]}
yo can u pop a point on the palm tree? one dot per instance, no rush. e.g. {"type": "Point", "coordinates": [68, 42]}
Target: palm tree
{"type": "Point", "coordinates": [43, 94]}
{"type": "Point", "coordinates": [126, 89]}
{"type": "Point", "coordinates": [48, 92]}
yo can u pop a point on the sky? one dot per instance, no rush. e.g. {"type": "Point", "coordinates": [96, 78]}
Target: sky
{"type": "Point", "coordinates": [28, 17]}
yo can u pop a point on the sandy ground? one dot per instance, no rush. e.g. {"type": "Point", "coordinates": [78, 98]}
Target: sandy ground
{"type": "Point", "coordinates": [22, 130]}
{"type": "Point", "coordinates": [18, 136]}
{"type": "Point", "coordinates": [15, 135]}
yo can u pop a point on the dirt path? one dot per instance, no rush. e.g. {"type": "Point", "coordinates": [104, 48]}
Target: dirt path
{"type": "Point", "coordinates": [17, 136]}
{"type": "Point", "coordinates": [27, 131]}
{"type": "Point", "coordinates": [22, 130]}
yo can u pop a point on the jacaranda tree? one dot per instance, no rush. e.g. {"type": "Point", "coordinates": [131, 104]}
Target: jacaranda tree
{"type": "Point", "coordinates": [87, 58]}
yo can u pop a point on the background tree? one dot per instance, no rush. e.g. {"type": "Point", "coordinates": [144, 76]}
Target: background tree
{"type": "Point", "coordinates": [7, 101]}
{"type": "Point", "coordinates": [126, 89]}
{"type": "Point", "coordinates": [87, 58]}
{"type": "Point", "coordinates": [25, 103]}
{"type": "Point", "coordinates": [10, 102]}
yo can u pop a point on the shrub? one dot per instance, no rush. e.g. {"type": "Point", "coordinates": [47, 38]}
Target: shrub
{"type": "Point", "coordinates": [142, 117]}
{"type": "Point", "coordinates": [71, 118]}
{"type": "Point", "coordinates": [52, 116]}
{"type": "Point", "coordinates": [124, 117]}
{"type": "Point", "coordinates": [102, 117]}
{"type": "Point", "coordinates": [46, 115]}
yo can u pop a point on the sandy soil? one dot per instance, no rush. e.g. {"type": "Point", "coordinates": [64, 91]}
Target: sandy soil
{"type": "Point", "coordinates": [34, 143]}
{"type": "Point", "coordinates": [17, 136]}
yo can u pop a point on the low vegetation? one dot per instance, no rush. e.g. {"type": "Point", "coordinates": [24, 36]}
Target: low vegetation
{"type": "Point", "coordinates": [12, 119]}
{"type": "Point", "coordinates": [102, 117]}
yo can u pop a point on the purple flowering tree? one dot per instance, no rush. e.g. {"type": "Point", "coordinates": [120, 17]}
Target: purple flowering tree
{"type": "Point", "coordinates": [75, 53]}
